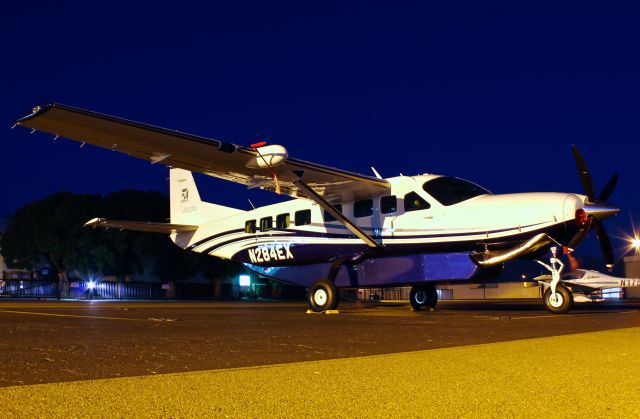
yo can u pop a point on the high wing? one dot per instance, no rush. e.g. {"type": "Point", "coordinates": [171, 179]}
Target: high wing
{"type": "Point", "coordinates": [199, 154]}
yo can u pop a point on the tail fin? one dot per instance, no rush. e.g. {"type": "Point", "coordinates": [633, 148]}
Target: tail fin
{"type": "Point", "coordinates": [186, 205]}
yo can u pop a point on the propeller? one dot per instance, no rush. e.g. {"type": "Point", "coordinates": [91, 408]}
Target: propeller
{"type": "Point", "coordinates": [608, 189]}
{"type": "Point", "coordinates": [596, 210]}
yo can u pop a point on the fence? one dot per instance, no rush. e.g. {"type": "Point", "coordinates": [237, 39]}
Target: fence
{"type": "Point", "coordinates": [28, 288]}
{"type": "Point", "coordinates": [142, 290]}
{"type": "Point", "coordinates": [102, 290]}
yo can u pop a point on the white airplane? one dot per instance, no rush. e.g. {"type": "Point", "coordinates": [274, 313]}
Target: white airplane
{"type": "Point", "coordinates": [342, 229]}
{"type": "Point", "coordinates": [582, 286]}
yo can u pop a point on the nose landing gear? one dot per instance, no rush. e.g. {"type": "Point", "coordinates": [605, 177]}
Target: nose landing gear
{"type": "Point", "coordinates": [560, 301]}
{"type": "Point", "coordinates": [557, 298]}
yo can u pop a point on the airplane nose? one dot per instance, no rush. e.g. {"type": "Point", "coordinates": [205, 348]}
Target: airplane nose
{"type": "Point", "coordinates": [600, 210]}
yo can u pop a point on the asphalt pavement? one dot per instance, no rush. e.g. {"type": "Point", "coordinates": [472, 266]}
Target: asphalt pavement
{"type": "Point", "coordinates": [265, 359]}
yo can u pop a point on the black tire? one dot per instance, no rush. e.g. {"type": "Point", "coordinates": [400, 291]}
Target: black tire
{"type": "Point", "coordinates": [564, 303]}
{"type": "Point", "coordinates": [322, 296]}
{"type": "Point", "coordinates": [423, 296]}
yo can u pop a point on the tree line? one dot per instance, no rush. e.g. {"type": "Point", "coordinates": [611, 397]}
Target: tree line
{"type": "Point", "coordinates": [50, 232]}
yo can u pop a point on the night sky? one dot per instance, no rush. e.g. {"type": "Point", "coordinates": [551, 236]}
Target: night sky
{"type": "Point", "coordinates": [495, 93]}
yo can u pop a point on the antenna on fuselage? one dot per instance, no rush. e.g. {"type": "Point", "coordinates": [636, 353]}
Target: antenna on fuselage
{"type": "Point", "coordinates": [375, 172]}
{"type": "Point", "coordinates": [251, 203]}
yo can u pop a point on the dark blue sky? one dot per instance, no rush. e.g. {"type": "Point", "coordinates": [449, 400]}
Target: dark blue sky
{"type": "Point", "coordinates": [495, 93]}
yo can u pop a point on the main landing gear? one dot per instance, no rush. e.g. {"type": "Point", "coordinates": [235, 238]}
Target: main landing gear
{"type": "Point", "coordinates": [322, 296]}
{"type": "Point", "coordinates": [423, 296]}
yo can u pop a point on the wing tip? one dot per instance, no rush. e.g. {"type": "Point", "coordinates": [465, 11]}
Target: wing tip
{"type": "Point", "coordinates": [36, 111]}
{"type": "Point", "coordinates": [94, 222]}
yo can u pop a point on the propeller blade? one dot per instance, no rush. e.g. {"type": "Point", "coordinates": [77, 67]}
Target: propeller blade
{"type": "Point", "coordinates": [580, 235]}
{"type": "Point", "coordinates": [608, 189]}
{"type": "Point", "coordinates": [585, 175]}
{"type": "Point", "coordinates": [605, 246]}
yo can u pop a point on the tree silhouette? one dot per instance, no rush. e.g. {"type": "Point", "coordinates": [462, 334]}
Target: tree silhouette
{"type": "Point", "coordinates": [50, 232]}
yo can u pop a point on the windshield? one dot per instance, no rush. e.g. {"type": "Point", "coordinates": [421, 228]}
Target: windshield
{"type": "Point", "coordinates": [451, 190]}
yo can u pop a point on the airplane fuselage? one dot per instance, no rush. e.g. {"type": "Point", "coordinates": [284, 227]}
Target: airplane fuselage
{"type": "Point", "coordinates": [406, 221]}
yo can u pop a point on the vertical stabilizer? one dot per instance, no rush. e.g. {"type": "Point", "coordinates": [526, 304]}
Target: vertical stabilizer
{"type": "Point", "coordinates": [186, 205]}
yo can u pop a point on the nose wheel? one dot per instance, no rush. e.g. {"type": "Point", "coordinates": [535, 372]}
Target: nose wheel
{"type": "Point", "coordinates": [423, 296]}
{"type": "Point", "coordinates": [560, 302]}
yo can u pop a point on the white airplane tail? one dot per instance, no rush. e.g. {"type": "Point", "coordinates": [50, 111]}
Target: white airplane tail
{"type": "Point", "coordinates": [187, 207]}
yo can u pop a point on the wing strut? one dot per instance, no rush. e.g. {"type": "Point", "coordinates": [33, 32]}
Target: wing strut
{"type": "Point", "coordinates": [339, 216]}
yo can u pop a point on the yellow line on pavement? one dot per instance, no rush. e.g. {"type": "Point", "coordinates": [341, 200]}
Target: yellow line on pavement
{"type": "Point", "coordinates": [528, 378]}
{"type": "Point", "coordinates": [68, 315]}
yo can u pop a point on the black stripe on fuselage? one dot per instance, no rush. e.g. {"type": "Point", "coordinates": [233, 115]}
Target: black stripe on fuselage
{"type": "Point", "coordinates": [313, 234]}
{"type": "Point", "coordinates": [307, 233]}
{"type": "Point", "coordinates": [215, 236]}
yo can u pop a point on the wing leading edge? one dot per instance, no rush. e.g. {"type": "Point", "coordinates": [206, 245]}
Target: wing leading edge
{"type": "Point", "coordinates": [199, 154]}
{"type": "Point", "coordinates": [148, 227]}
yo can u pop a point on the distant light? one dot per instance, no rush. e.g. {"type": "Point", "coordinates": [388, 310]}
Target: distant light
{"type": "Point", "coordinates": [635, 242]}
{"type": "Point", "coordinates": [245, 280]}
{"type": "Point", "coordinates": [91, 285]}
{"type": "Point", "coordinates": [524, 276]}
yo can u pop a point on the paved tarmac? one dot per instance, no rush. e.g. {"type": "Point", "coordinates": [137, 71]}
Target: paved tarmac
{"type": "Point", "coordinates": [585, 375]}
{"type": "Point", "coordinates": [273, 359]}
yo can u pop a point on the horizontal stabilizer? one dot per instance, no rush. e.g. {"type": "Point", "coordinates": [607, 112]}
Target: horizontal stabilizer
{"type": "Point", "coordinates": [141, 226]}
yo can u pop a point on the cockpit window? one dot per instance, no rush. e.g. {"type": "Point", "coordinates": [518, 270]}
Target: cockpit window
{"type": "Point", "coordinates": [451, 190]}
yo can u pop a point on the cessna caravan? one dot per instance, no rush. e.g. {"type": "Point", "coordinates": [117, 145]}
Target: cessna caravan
{"type": "Point", "coordinates": [342, 229]}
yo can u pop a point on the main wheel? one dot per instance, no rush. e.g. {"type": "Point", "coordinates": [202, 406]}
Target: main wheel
{"type": "Point", "coordinates": [423, 296]}
{"type": "Point", "coordinates": [562, 303]}
{"type": "Point", "coordinates": [322, 296]}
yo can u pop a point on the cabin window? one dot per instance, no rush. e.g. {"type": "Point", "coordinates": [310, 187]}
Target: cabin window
{"type": "Point", "coordinates": [266, 224]}
{"type": "Point", "coordinates": [250, 226]}
{"type": "Point", "coordinates": [303, 217]}
{"type": "Point", "coordinates": [414, 202]}
{"type": "Point", "coordinates": [363, 208]}
{"type": "Point", "coordinates": [388, 204]}
{"type": "Point", "coordinates": [328, 217]}
{"type": "Point", "coordinates": [283, 220]}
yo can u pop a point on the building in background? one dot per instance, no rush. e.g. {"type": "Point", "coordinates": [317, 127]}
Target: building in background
{"type": "Point", "coordinates": [7, 273]}
{"type": "Point", "coordinates": [632, 270]}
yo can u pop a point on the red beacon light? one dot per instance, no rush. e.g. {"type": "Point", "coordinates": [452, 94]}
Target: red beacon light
{"type": "Point", "coordinates": [259, 144]}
